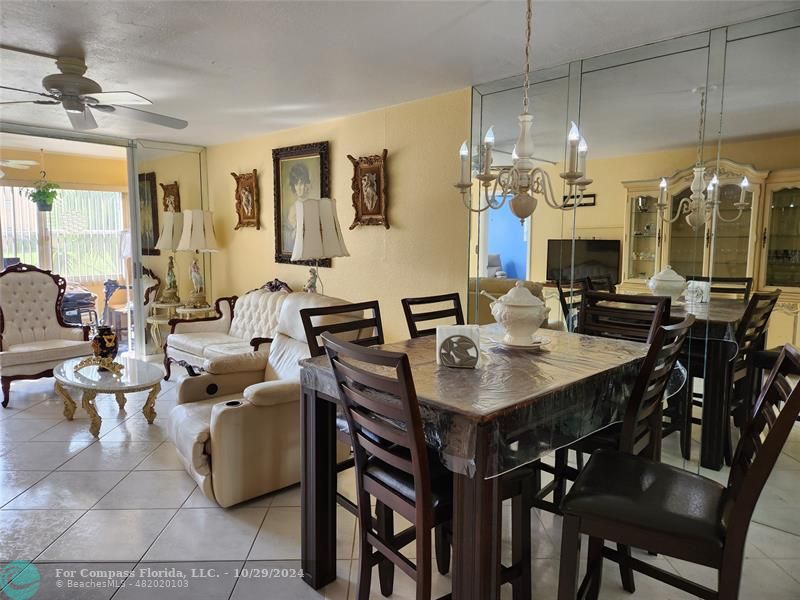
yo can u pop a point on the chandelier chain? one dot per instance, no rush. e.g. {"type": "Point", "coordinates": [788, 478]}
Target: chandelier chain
{"type": "Point", "coordinates": [527, 82]}
{"type": "Point", "coordinates": [702, 127]}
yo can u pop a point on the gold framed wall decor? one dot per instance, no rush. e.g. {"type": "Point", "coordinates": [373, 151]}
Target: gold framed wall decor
{"type": "Point", "coordinates": [369, 190]}
{"type": "Point", "coordinates": [247, 200]}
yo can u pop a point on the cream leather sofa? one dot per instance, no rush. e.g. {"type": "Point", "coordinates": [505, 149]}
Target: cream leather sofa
{"type": "Point", "coordinates": [33, 335]}
{"type": "Point", "coordinates": [230, 340]}
{"type": "Point", "coordinates": [238, 432]}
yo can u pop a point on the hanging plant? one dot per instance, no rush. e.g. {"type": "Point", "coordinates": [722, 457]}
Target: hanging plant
{"type": "Point", "coordinates": [44, 193]}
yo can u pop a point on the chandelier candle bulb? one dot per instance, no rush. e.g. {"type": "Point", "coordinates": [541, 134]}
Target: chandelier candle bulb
{"type": "Point", "coordinates": [662, 191]}
{"type": "Point", "coordinates": [743, 195]}
{"type": "Point", "coordinates": [488, 142]}
{"type": "Point", "coordinates": [573, 138]}
{"type": "Point", "coordinates": [583, 149]}
{"type": "Point", "coordinates": [465, 163]}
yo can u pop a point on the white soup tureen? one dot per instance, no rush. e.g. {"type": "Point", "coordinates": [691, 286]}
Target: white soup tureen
{"type": "Point", "coordinates": [667, 283]}
{"type": "Point", "coordinates": [520, 313]}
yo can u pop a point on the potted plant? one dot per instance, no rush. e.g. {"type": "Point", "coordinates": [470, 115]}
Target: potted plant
{"type": "Point", "coordinates": [44, 194]}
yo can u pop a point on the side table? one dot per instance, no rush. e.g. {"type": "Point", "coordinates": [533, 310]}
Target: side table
{"type": "Point", "coordinates": [196, 313]}
{"type": "Point", "coordinates": [160, 317]}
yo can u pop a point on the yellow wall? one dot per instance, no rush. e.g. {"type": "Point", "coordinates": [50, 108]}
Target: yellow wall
{"type": "Point", "coordinates": [183, 167]}
{"type": "Point", "coordinates": [68, 170]}
{"type": "Point", "coordinates": [424, 250]}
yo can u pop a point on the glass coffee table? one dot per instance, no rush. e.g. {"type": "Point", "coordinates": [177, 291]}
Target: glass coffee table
{"type": "Point", "coordinates": [136, 376]}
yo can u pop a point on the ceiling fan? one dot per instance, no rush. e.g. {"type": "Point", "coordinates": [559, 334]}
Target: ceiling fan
{"type": "Point", "coordinates": [15, 164]}
{"type": "Point", "coordinates": [79, 96]}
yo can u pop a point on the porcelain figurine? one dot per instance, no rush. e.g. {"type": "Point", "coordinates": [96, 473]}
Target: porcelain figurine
{"type": "Point", "coordinates": [667, 283]}
{"type": "Point", "coordinates": [520, 313]}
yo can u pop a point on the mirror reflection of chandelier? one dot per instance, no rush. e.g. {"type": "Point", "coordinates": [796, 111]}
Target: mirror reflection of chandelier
{"type": "Point", "coordinates": [703, 204]}
{"type": "Point", "coordinates": [522, 181]}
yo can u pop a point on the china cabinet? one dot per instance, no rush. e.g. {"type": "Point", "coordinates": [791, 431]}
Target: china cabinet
{"type": "Point", "coordinates": [727, 248]}
{"type": "Point", "coordinates": [780, 233]}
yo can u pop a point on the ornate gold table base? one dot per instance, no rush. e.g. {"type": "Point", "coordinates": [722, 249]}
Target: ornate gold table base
{"type": "Point", "coordinates": [87, 402]}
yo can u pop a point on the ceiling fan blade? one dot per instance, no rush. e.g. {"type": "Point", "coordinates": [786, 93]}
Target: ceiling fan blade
{"type": "Point", "coordinates": [32, 102]}
{"type": "Point", "coordinates": [82, 121]}
{"type": "Point", "coordinates": [117, 98]}
{"type": "Point", "coordinates": [13, 89]}
{"type": "Point", "coordinates": [143, 115]}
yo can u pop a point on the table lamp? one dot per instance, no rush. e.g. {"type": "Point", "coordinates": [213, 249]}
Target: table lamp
{"type": "Point", "coordinates": [198, 236]}
{"type": "Point", "coordinates": [318, 235]}
{"type": "Point", "coordinates": [168, 238]}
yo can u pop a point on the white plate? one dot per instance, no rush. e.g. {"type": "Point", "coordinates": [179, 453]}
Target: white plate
{"type": "Point", "coordinates": [538, 341]}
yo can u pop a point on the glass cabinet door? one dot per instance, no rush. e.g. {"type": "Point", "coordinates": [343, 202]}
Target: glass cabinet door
{"type": "Point", "coordinates": [686, 245]}
{"type": "Point", "coordinates": [732, 243]}
{"type": "Point", "coordinates": [783, 241]}
{"type": "Point", "coordinates": [644, 236]}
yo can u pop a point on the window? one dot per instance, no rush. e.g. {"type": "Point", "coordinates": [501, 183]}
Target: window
{"type": "Point", "coordinates": [80, 238]}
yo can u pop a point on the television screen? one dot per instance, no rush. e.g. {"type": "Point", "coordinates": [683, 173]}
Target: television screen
{"type": "Point", "coordinates": [592, 259]}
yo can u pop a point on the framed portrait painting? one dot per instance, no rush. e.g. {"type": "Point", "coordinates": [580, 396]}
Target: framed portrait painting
{"type": "Point", "coordinates": [299, 172]}
{"type": "Point", "coordinates": [148, 213]}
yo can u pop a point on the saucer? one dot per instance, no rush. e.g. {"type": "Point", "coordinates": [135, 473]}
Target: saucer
{"type": "Point", "coordinates": [538, 341]}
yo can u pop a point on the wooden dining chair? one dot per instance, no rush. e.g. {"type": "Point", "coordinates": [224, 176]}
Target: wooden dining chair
{"type": "Point", "coordinates": [737, 287]}
{"type": "Point", "coordinates": [637, 502]}
{"type": "Point", "coordinates": [601, 283]}
{"type": "Point", "coordinates": [570, 296]}
{"type": "Point", "coordinates": [453, 310]}
{"type": "Point", "coordinates": [622, 316]}
{"type": "Point", "coordinates": [392, 464]}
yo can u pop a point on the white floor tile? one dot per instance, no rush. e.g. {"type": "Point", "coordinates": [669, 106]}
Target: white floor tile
{"type": "Point", "coordinates": [39, 456]}
{"type": "Point", "coordinates": [198, 500]}
{"type": "Point", "coordinates": [287, 497]}
{"type": "Point", "coordinates": [66, 489]}
{"type": "Point", "coordinates": [25, 533]}
{"type": "Point", "coordinates": [23, 430]}
{"type": "Point", "coordinates": [208, 534]}
{"type": "Point", "coordinates": [13, 483]}
{"type": "Point", "coordinates": [75, 430]}
{"type": "Point", "coordinates": [149, 489]}
{"type": "Point", "coordinates": [137, 429]}
{"type": "Point", "coordinates": [110, 456]}
{"type": "Point", "coordinates": [109, 535]}
{"type": "Point", "coordinates": [761, 578]}
{"type": "Point", "coordinates": [774, 543]}
{"type": "Point", "coordinates": [163, 458]}
{"type": "Point", "coordinates": [181, 581]}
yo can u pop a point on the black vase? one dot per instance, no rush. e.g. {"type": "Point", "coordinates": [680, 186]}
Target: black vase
{"type": "Point", "coordinates": [104, 342]}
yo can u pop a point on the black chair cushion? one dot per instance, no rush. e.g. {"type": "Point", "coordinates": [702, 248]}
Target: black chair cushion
{"type": "Point", "coordinates": [402, 483]}
{"type": "Point", "coordinates": [605, 439]}
{"type": "Point", "coordinates": [650, 496]}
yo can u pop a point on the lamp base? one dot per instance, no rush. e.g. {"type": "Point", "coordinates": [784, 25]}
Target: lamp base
{"type": "Point", "coordinates": [170, 296]}
{"type": "Point", "coordinates": [196, 300]}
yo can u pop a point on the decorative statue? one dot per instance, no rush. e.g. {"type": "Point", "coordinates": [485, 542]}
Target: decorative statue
{"type": "Point", "coordinates": [311, 284]}
{"type": "Point", "coordinates": [197, 278]}
{"type": "Point", "coordinates": [170, 293]}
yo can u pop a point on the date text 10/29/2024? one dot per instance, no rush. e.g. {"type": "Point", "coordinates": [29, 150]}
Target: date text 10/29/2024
{"type": "Point", "coordinates": [172, 573]}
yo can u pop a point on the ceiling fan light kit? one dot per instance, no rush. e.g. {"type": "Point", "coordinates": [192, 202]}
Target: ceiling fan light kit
{"type": "Point", "coordinates": [79, 96]}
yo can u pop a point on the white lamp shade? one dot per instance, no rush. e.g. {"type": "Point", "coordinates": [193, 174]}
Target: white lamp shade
{"type": "Point", "coordinates": [171, 229]}
{"type": "Point", "coordinates": [198, 231]}
{"type": "Point", "coordinates": [318, 232]}
{"type": "Point", "coordinates": [125, 244]}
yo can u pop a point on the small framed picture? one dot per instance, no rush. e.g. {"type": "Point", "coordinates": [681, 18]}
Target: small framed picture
{"type": "Point", "coordinates": [369, 190]}
{"type": "Point", "coordinates": [172, 197]}
{"type": "Point", "coordinates": [299, 172]}
{"type": "Point", "coordinates": [247, 202]}
{"type": "Point", "coordinates": [585, 200]}
{"type": "Point", "coordinates": [148, 211]}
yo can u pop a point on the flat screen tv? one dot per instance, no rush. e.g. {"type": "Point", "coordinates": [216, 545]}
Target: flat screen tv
{"type": "Point", "coordinates": [592, 258]}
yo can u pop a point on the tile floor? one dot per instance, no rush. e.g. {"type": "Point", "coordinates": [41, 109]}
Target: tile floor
{"type": "Point", "coordinates": [88, 511]}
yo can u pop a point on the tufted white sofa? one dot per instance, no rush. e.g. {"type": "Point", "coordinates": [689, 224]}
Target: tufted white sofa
{"type": "Point", "coordinates": [238, 434]}
{"type": "Point", "coordinates": [241, 331]}
{"type": "Point", "coordinates": [33, 335]}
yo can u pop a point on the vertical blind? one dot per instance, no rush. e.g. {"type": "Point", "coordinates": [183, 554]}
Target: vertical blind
{"type": "Point", "coordinates": [85, 229]}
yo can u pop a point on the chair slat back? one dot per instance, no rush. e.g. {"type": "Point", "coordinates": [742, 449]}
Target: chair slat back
{"type": "Point", "coordinates": [753, 326]}
{"type": "Point", "coordinates": [622, 316]}
{"type": "Point", "coordinates": [740, 287]}
{"type": "Point", "coordinates": [570, 297]}
{"type": "Point", "coordinates": [366, 330]}
{"type": "Point", "coordinates": [764, 436]}
{"type": "Point", "coordinates": [641, 428]}
{"type": "Point", "coordinates": [452, 310]}
{"type": "Point", "coordinates": [601, 283]}
{"type": "Point", "coordinates": [377, 393]}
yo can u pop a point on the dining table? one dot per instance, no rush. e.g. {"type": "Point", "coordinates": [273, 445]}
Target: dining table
{"type": "Point", "coordinates": [515, 407]}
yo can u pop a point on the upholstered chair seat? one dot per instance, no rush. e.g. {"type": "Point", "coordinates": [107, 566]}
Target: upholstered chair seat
{"type": "Point", "coordinates": [34, 337]}
{"type": "Point", "coordinates": [237, 432]}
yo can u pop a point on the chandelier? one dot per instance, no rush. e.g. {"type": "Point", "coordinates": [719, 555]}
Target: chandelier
{"type": "Point", "coordinates": [522, 182]}
{"type": "Point", "coordinates": [703, 204]}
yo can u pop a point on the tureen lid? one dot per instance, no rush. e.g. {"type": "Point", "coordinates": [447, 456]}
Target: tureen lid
{"type": "Point", "coordinates": [668, 274]}
{"type": "Point", "coordinates": [519, 295]}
